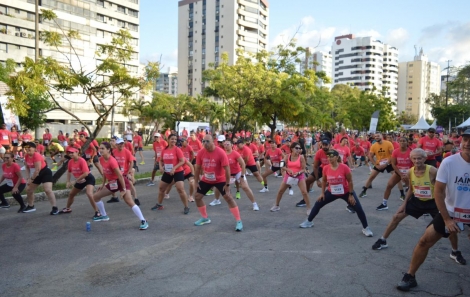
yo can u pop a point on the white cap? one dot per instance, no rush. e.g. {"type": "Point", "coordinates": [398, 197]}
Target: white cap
{"type": "Point", "coordinates": [157, 135]}
{"type": "Point", "coordinates": [119, 140]}
{"type": "Point", "coordinates": [221, 138]}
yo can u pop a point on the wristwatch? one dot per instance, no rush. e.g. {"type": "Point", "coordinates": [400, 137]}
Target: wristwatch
{"type": "Point", "coordinates": [350, 193]}
{"type": "Point", "coordinates": [242, 176]}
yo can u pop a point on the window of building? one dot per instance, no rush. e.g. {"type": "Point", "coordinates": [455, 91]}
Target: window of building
{"type": "Point", "coordinates": [121, 24]}
{"type": "Point", "coordinates": [133, 27]}
{"type": "Point", "coordinates": [133, 13]}
{"type": "Point", "coordinates": [121, 9]}
{"type": "Point", "coordinates": [100, 33]}
{"type": "Point", "coordinates": [100, 3]}
{"type": "Point", "coordinates": [3, 47]}
{"type": "Point", "coordinates": [100, 17]}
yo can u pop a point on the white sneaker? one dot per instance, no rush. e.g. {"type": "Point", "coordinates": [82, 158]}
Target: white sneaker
{"type": "Point", "coordinates": [215, 202]}
{"type": "Point", "coordinates": [23, 168]}
{"type": "Point", "coordinates": [166, 196]}
{"type": "Point", "coordinates": [264, 190]}
{"type": "Point", "coordinates": [306, 224]}
{"type": "Point", "coordinates": [255, 206]}
{"type": "Point", "coordinates": [311, 190]}
{"type": "Point", "coordinates": [275, 208]}
{"type": "Point", "coordinates": [249, 174]}
{"type": "Point", "coordinates": [291, 192]}
{"type": "Point", "coordinates": [367, 232]}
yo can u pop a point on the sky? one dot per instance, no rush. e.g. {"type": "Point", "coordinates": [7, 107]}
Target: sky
{"type": "Point", "coordinates": [441, 28]}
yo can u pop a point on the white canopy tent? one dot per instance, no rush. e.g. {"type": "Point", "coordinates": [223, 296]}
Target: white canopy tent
{"type": "Point", "coordinates": [464, 124]}
{"type": "Point", "coordinates": [434, 124]}
{"type": "Point", "coordinates": [420, 125]}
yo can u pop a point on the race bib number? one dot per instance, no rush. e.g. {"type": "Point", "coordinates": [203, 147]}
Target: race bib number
{"type": "Point", "coordinates": [276, 164]}
{"type": "Point", "coordinates": [210, 176]}
{"type": "Point", "coordinates": [113, 185]}
{"type": "Point", "coordinates": [168, 167]}
{"type": "Point", "coordinates": [46, 141]}
{"type": "Point", "coordinates": [292, 181]}
{"type": "Point", "coordinates": [9, 182]}
{"type": "Point", "coordinates": [337, 189]}
{"type": "Point", "coordinates": [383, 162]}
{"type": "Point", "coordinates": [232, 180]}
{"type": "Point", "coordinates": [429, 153]}
{"type": "Point", "coordinates": [195, 153]}
{"type": "Point", "coordinates": [404, 171]}
{"type": "Point", "coordinates": [423, 192]}
{"type": "Point", "coordinates": [341, 156]}
{"type": "Point", "coordinates": [462, 215]}
{"type": "Point", "coordinates": [32, 171]}
{"type": "Point", "coordinates": [15, 140]}
{"type": "Point", "coordinates": [158, 155]}
{"type": "Point", "coordinates": [5, 137]}
{"type": "Point", "coordinates": [88, 156]}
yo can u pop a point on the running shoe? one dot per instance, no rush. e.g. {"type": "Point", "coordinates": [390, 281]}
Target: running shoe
{"type": "Point", "coordinates": [167, 196]}
{"type": "Point", "coordinates": [97, 214]}
{"type": "Point", "coordinates": [351, 209]}
{"type": "Point", "coordinates": [210, 193]}
{"type": "Point", "coordinates": [54, 168]}
{"type": "Point", "coordinates": [22, 209]}
{"type": "Point", "coordinates": [306, 224]}
{"type": "Point", "coordinates": [191, 199]}
{"type": "Point", "coordinates": [23, 168]}
{"type": "Point", "coordinates": [66, 210]}
{"type": "Point", "coordinates": [249, 174]}
{"type": "Point", "coordinates": [237, 195]}
{"type": "Point", "coordinates": [367, 232]}
{"type": "Point", "coordinates": [402, 197]}
{"type": "Point", "coordinates": [29, 209]}
{"type": "Point", "coordinates": [239, 226]}
{"type": "Point", "coordinates": [275, 208]}
{"type": "Point", "coordinates": [113, 200]}
{"type": "Point", "coordinates": [143, 225]}
{"type": "Point", "coordinates": [137, 202]}
{"type": "Point", "coordinates": [202, 221]}
{"type": "Point", "coordinates": [255, 206]}
{"type": "Point", "coordinates": [264, 190]}
{"type": "Point", "coordinates": [101, 218]}
{"type": "Point", "coordinates": [370, 187]}
{"type": "Point", "coordinates": [301, 203]}
{"type": "Point", "coordinates": [157, 207]}
{"type": "Point", "coordinates": [408, 281]}
{"type": "Point", "coordinates": [363, 194]}
{"type": "Point", "coordinates": [382, 207]}
{"type": "Point", "coordinates": [215, 202]}
{"type": "Point", "coordinates": [380, 244]}
{"type": "Point", "coordinates": [150, 183]}
{"type": "Point", "coordinates": [142, 163]}
{"type": "Point", "coordinates": [457, 256]}
{"type": "Point", "coordinates": [186, 210]}
{"type": "Point", "coordinates": [291, 192]}
{"type": "Point", "coordinates": [311, 190]}
{"type": "Point", "coordinates": [4, 205]}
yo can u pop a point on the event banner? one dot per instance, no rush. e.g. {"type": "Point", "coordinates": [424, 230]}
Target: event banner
{"type": "Point", "coordinates": [9, 117]}
{"type": "Point", "coordinates": [373, 121]}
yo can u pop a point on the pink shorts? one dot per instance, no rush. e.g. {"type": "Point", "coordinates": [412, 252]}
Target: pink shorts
{"type": "Point", "coordinates": [300, 177]}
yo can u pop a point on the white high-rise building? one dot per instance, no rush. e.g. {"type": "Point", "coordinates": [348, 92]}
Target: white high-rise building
{"type": "Point", "coordinates": [96, 21]}
{"type": "Point", "coordinates": [207, 28]}
{"type": "Point", "coordinates": [168, 82]}
{"type": "Point", "coordinates": [365, 63]}
{"type": "Point", "coordinates": [319, 61]}
{"type": "Point", "coordinates": [417, 80]}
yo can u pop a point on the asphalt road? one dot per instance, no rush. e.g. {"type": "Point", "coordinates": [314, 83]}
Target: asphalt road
{"type": "Point", "coordinates": [43, 255]}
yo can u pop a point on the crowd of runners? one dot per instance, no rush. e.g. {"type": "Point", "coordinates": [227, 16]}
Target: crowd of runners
{"type": "Point", "coordinates": [430, 170]}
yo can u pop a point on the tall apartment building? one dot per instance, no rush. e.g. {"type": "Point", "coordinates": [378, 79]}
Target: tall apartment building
{"type": "Point", "coordinates": [319, 61]}
{"type": "Point", "coordinates": [417, 80]}
{"type": "Point", "coordinates": [207, 28]}
{"type": "Point", "coordinates": [96, 21]}
{"type": "Point", "coordinates": [168, 82]}
{"type": "Point", "coordinates": [364, 62]}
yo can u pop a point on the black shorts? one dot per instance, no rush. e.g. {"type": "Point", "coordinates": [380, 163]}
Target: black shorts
{"type": "Point", "coordinates": [389, 169]}
{"type": "Point", "coordinates": [416, 208]}
{"type": "Point", "coordinates": [440, 226]}
{"type": "Point", "coordinates": [89, 180]}
{"type": "Point", "coordinates": [96, 159]}
{"type": "Point", "coordinates": [44, 176]}
{"type": "Point", "coordinates": [156, 167]}
{"type": "Point", "coordinates": [193, 161]}
{"type": "Point", "coordinates": [320, 173]}
{"type": "Point", "coordinates": [188, 176]}
{"type": "Point", "coordinates": [431, 162]}
{"type": "Point", "coordinates": [119, 186]}
{"type": "Point", "coordinates": [14, 144]}
{"type": "Point", "coordinates": [252, 168]}
{"type": "Point", "coordinates": [204, 187]}
{"type": "Point", "coordinates": [178, 176]}
{"type": "Point", "coordinates": [256, 159]}
{"type": "Point", "coordinates": [274, 169]}
{"type": "Point", "coordinates": [136, 149]}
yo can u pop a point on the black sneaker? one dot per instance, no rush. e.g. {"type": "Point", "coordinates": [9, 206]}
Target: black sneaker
{"type": "Point", "coordinates": [54, 211]}
{"type": "Point", "coordinates": [137, 202]}
{"type": "Point", "coordinates": [22, 209]}
{"type": "Point", "coordinates": [350, 208]}
{"type": "Point", "coordinates": [370, 187]}
{"type": "Point", "coordinates": [4, 205]}
{"type": "Point", "coordinates": [301, 203]}
{"type": "Point", "coordinates": [380, 244]}
{"type": "Point", "coordinates": [113, 199]}
{"type": "Point", "coordinates": [408, 281]}
{"type": "Point", "coordinates": [97, 214]}
{"type": "Point", "coordinates": [402, 197]}
{"type": "Point", "coordinates": [382, 207]}
{"type": "Point", "coordinates": [29, 209]}
{"type": "Point", "coordinates": [457, 256]}
{"type": "Point", "coordinates": [186, 210]}
{"type": "Point", "coordinates": [363, 194]}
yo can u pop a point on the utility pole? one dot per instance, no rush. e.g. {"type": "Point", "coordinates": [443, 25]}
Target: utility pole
{"type": "Point", "coordinates": [447, 82]}
{"type": "Point", "coordinates": [36, 31]}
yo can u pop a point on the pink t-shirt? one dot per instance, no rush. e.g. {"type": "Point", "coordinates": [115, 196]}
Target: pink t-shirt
{"type": "Point", "coordinates": [213, 164]}
{"type": "Point", "coordinates": [26, 137]}
{"type": "Point", "coordinates": [358, 151]}
{"type": "Point", "coordinates": [403, 160]}
{"type": "Point", "coordinates": [344, 152]}
{"type": "Point", "coordinates": [171, 157]}
{"type": "Point", "coordinates": [78, 167]}
{"type": "Point", "coordinates": [12, 173]}
{"type": "Point", "coordinates": [196, 145]}
{"type": "Point", "coordinates": [337, 182]}
{"type": "Point", "coordinates": [137, 141]}
{"type": "Point", "coordinates": [233, 162]}
{"type": "Point", "coordinates": [4, 137]}
{"type": "Point", "coordinates": [158, 148]}
{"type": "Point", "coordinates": [108, 168]}
{"type": "Point", "coordinates": [275, 156]}
{"type": "Point", "coordinates": [36, 157]}
{"type": "Point", "coordinates": [123, 158]}
{"type": "Point", "coordinates": [365, 145]}
{"type": "Point", "coordinates": [247, 155]}
{"type": "Point", "coordinates": [430, 146]}
{"type": "Point", "coordinates": [187, 152]}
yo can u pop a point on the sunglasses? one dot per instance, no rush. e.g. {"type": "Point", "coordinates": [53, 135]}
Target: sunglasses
{"type": "Point", "coordinates": [206, 141]}
{"type": "Point", "coordinates": [298, 148]}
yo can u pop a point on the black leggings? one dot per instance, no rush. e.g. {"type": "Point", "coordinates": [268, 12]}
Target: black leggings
{"type": "Point", "coordinates": [330, 198]}
{"type": "Point", "coordinates": [6, 188]}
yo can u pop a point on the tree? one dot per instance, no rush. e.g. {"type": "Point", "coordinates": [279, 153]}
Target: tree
{"type": "Point", "coordinates": [405, 118]}
{"type": "Point", "coordinates": [459, 88]}
{"type": "Point", "coordinates": [7, 69]}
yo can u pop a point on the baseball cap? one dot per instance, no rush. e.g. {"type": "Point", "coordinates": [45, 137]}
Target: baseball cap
{"type": "Point", "coordinates": [119, 140]}
{"type": "Point", "coordinates": [466, 132]}
{"type": "Point", "coordinates": [29, 144]}
{"type": "Point", "coordinates": [157, 135]}
{"type": "Point", "coordinates": [332, 152]}
{"type": "Point", "coordinates": [240, 141]}
{"type": "Point", "coordinates": [183, 139]}
{"type": "Point", "coordinates": [221, 138]}
{"type": "Point", "coordinates": [71, 149]}
{"type": "Point", "coordinates": [325, 141]}
{"type": "Point", "coordinates": [431, 129]}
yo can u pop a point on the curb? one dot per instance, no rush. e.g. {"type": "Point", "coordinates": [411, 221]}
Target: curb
{"type": "Point", "coordinates": [64, 194]}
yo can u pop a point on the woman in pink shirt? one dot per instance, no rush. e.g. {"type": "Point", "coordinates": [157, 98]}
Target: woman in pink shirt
{"type": "Point", "coordinates": [78, 167]}
{"type": "Point", "coordinates": [15, 140]}
{"type": "Point", "coordinates": [46, 138]}
{"type": "Point", "coordinates": [15, 183]}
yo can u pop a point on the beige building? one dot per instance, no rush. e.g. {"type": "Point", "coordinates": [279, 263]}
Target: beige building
{"type": "Point", "coordinates": [416, 81]}
{"type": "Point", "coordinates": [96, 22]}
{"type": "Point", "coordinates": [206, 28]}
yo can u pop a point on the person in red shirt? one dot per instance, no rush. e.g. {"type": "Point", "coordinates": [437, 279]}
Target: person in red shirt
{"type": "Point", "coordinates": [187, 150]}
{"type": "Point", "coordinates": [337, 184]}
{"type": "Point", "coordinates": [112, 173]}
{"type": "Point", "coordinates": [212, 163]}
{"type": "Point", "coordinates": [171, 167]}
{"type": "Point", "coordinates": [158, 145]}
{"type": "Point", "coordinates": [432, 146]}
{"type": "Point", "coordinates": [195, 144]}
{"type": "Point", "coordinates": [39, 173]}
{"type": "Point", "coordinates": [167, 133]}
{"type": "Point", "coordinates": [15, 140]}
{"type": "Point", "coordinates": [83, 132]}
{"type": "Point", "coordinates": [344, 152]}
{"type": "Point", "coordinates": [359, 153]}
{"type": "Point", "coordinates": [39, 147]}
{"type": "Point", "coordinates": [125, 160]}
{"type": "Point", "coordinates": [138, 146]}
{"type": "Point", "coordinates": [5, 140]}
{"type": "Point", "coordinates": [254, 149]}
{"type": "Point", "coordinates": [15, 183]}
{"type": "Point", "coordinates": [46, 138]}
{"type": "Point", "coordinates": [285, 148]}
{"type": "Point", "coordinates": [261, 150]}
{"type": "Point", "coordinates": [274, 157]}
{"type": "Point", "coordinates": [62, 139]}
{"type": "Point", "coordinates": [78, 167]}
{"type": "Point", "coordinates": [184, 133]}
{"type": "Point", "coordinates": [250, 162]}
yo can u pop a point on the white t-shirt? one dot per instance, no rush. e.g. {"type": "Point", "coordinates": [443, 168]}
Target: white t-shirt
{"type": "Point", "coordinates": [455, 172]}
{"type": "Point", "coordinates": [308, 140]}
{"type": "Point", "coordinates": [129, 135]}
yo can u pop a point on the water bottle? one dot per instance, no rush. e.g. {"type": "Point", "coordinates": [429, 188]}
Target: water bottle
{"type": "Point", "coordinates": [88, 227]}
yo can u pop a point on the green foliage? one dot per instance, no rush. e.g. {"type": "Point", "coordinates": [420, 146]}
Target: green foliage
{"type": "Point", "coordinates": [7, 69]}
{"type": "Point", "coordinates": [406, 119]}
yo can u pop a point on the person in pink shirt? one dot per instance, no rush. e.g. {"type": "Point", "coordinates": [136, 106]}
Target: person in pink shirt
{"type": "Point", "coordinates": [62, 139]}
{"type": "Point", "coordinates": [337, 184]}
{"type": "Point", "coordinates": [113, 181]}
{"type": "Point", "coordinates": [78, 168]}
{"type": "Point", "coordinates": [15, 141]}
{"type": "Point", "coordinates": [5, 140]}
{"type": "Point", "coordinates": [274, 157]}
{"type": "Point", "coordinates": [138, 146]}
{"type": "Point", "coordinates": [432, 146]}
{"type": "Point", "coordinates": [158, 145]}
{"type": "Point", "coordinates": [359, 153]}
{"type": "Point", "coordinates": [125, 160]}
{"type": "Point", "coordinates": [249, 159]}
{"type": "Point", "coordinates": [46, 138]}
{"type": "Point", "coordinates": [171, 167]}
{"type": "Point", "coordinates": [40, 148]}
{"type": "Point", "coordinates": [344, 152]}
{"type": "Point", "coordinates": [184, 133]}
{"type": "Point", "coordinates": [38, 173]}
{"type": "Point", "coordinates": [195, 144]}
{"type": "Point", "coordinates": [212, 163]}
{"type": "Point", "coordinates": [15, 183]}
